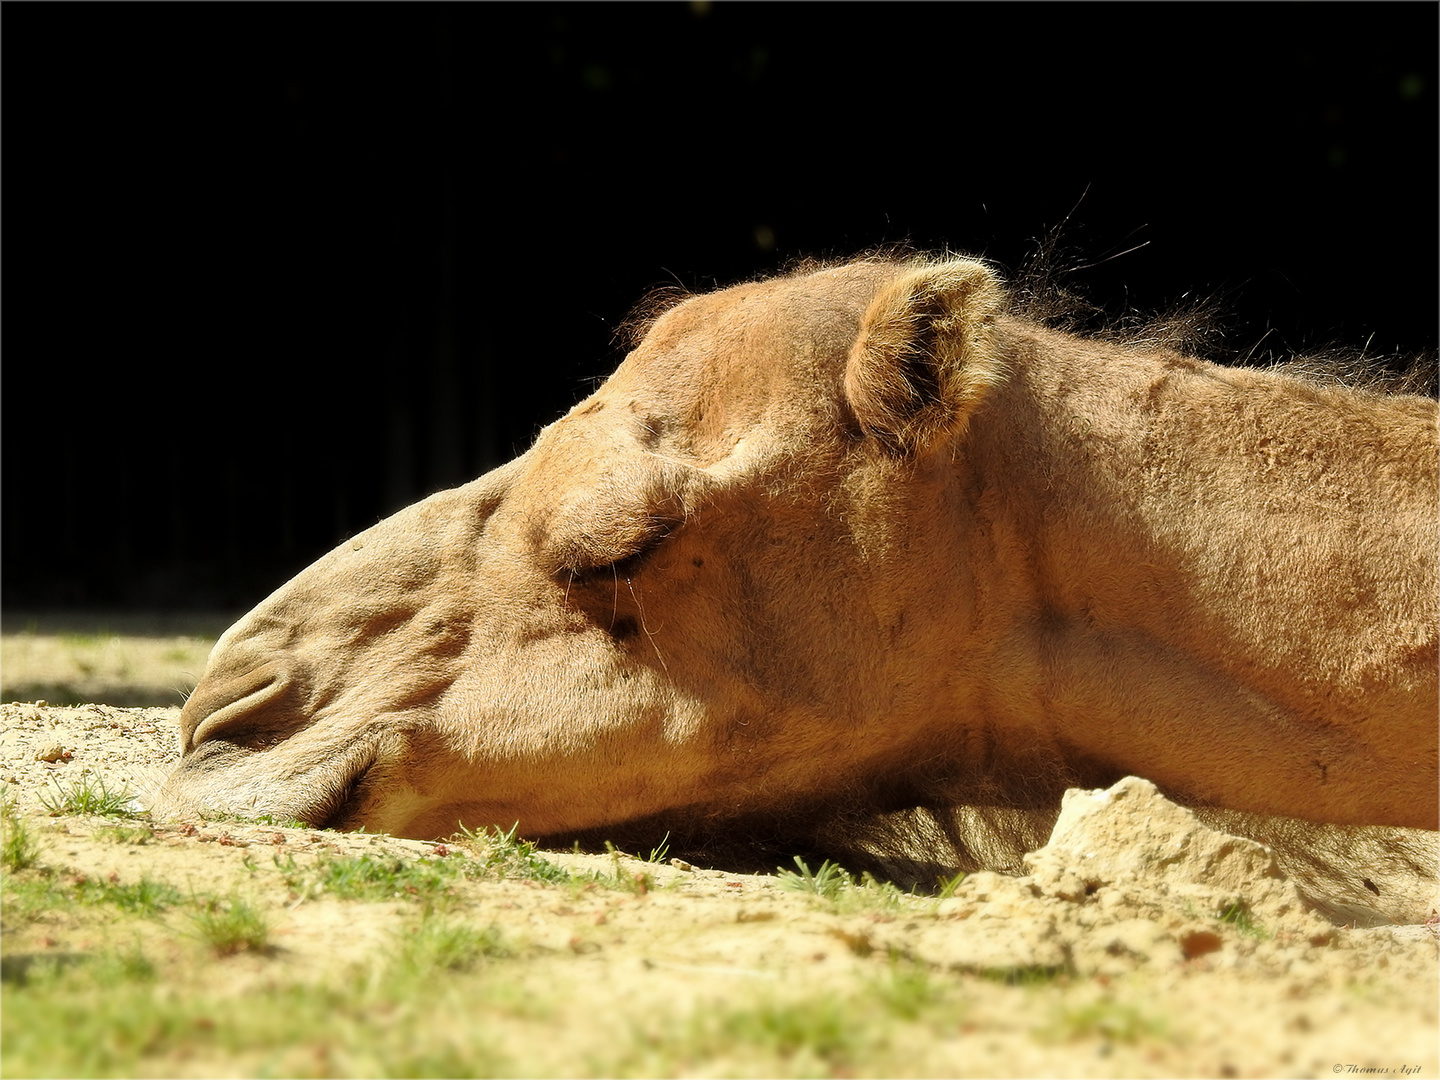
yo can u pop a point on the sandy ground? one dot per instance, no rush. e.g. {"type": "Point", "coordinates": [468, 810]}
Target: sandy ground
{"type": "Point", "coordinates": [1135, 979]}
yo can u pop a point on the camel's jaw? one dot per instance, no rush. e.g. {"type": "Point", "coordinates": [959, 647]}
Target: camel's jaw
{"type": "Point", "coordinates": [219, 778]}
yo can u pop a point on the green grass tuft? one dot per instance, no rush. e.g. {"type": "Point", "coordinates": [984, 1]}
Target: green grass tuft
{"type": "Point", "coordinates": [144, 897]}
{"type": "Point", "coordinates": [827, 882]}
{"type": "Point", "coordinates": [501, 854]}
{"type": "Point", "coordinates": [821, 1025]}
{"type": "Point", "coordinates": [908, 990]}
{"type": "Point", "coordinates": [1242, 919]}
{"type": "Point", "coordinates": [638, 882]}
{"type": "Point", "coordinates": [370, 877]}
{"type": "Point", "coordinates": [89, 795]}
{"type": "Point", "coordinates": [446, 945]}
{"type": "Point", "coordinates": [18, 850]}
{"type": "Point", "coordinates": [946, 886]}
{"type": "Point", "coordinates": [231, 926]}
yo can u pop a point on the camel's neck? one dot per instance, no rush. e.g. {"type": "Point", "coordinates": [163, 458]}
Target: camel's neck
{"type": "Point", "coordinates": [1218, 508]}
{"type": "Point", "coordinates": [1174, 539]}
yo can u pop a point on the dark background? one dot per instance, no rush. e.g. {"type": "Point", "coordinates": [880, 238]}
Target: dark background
{"type": "Point", "coordinates": [271, 272]}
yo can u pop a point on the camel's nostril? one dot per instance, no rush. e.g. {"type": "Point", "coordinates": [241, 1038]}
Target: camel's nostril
{"type": "Point", "coordinates": [234, 708]}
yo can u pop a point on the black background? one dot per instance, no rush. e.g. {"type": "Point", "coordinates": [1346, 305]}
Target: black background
{"type": "Point", "coordinates": [271, 272]}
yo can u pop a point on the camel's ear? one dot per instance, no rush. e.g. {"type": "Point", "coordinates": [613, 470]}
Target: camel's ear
{"type": "Point", "coordinates": [925, 355]}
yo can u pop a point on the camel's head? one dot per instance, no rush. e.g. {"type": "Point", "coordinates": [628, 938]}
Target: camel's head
{"type": "Point", "coordinates": [698, 589]}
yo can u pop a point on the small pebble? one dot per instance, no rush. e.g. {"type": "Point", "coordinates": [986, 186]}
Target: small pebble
{"type": "Point", "coordinates": [53, 752]}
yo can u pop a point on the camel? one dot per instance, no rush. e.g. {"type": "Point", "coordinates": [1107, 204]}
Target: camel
{"type": "Point", "coordinates": [863, 538]}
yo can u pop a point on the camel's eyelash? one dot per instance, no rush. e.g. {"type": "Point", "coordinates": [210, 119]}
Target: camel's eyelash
{"type": "Point", "coordinates": [626, 565]}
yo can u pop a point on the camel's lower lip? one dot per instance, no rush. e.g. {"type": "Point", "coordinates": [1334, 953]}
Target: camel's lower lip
{"type": "Point", "coordinates": [338, 810]}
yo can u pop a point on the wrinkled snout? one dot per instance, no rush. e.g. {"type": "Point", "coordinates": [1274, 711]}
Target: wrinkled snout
{"type": "Point", "coordinates": [309, 704]}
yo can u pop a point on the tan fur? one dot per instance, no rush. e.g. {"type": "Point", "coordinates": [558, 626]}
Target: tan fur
{"type": "Point", "coordinates": [858, 538]}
